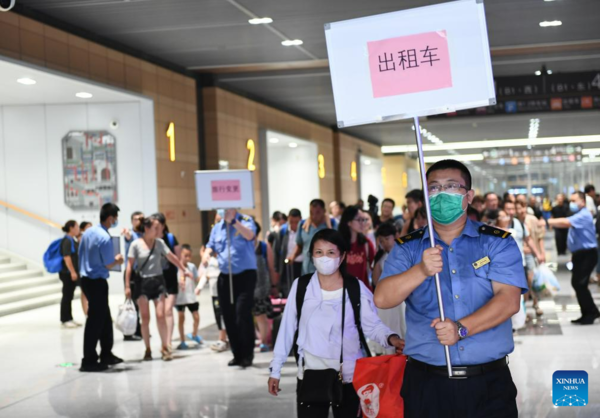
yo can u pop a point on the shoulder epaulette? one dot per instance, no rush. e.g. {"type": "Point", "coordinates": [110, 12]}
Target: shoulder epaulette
{"type": "Point", "coordinates": [412, 235]}
{"type": "Point", "coordinates": [493, 231]}
{"type": "Point", "coordinates": [245, 218]}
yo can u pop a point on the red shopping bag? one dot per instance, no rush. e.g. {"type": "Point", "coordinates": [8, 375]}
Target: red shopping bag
{"type": "Point", "coordinates": [377, 381]}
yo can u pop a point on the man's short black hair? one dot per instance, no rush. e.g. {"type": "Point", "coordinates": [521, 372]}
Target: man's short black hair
{"type": "Point", "coordinates": [589, 188]}
{"type": "Point", "coordinates": [454, 165]}
{"type": "Point", "coordinates": [485, 196]}
{"type": "Point", "coordinates": [387, 199]}
{"type": "Point", "coordinates": [318, 202]}
{"type": "Point", "coordinates": [507, 202]}
{"type": "Point", "coordinates": [108, 210]}
{"type": "Point", "coordinates": [295, 213]}
{"type": "Point", "coordinates": [580, 194]}
{"type": "Point", "coordinates": [276, 216]}
{"type": "Point", "coordinates": [385, 230]}
{"type": "Point", "coordinates": [416, 195]}
{"type": "Point", "coordinates": [186, 247]}
{"type": "Point", "coordinates": [136, 213]}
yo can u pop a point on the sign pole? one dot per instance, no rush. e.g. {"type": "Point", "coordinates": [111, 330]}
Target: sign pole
{"type": "Point", "coordinates": [229, 256]}
{"type": "Point", "coordinates": [431, 233]}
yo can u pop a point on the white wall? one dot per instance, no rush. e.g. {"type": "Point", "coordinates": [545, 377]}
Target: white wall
{"type": "Point", "coordinates": [293, 176]}
{"type": "Point", "coordinates": [371, 181]}
{"type": "Point", "coordinates": [31, 172]}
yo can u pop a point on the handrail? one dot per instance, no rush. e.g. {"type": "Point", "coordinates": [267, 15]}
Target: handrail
{"type": "Point", "coordinates": [31, 215]}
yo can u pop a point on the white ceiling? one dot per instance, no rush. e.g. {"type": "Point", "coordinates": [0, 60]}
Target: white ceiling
{"type": "Point", "coordinates": [51, 87]}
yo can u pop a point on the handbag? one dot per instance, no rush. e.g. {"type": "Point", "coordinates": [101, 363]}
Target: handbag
{"type": "Point", "coordinates": [324, 386]}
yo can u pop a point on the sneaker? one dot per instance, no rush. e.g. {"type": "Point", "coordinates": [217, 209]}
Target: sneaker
{"type": "Point", "coordinates": [93, 368]}
{"type": "Point", "coordinates": [198, 339]}
{"type": "Point", "coordinates": [166, 355]}
{"type": "Point", "coordinates": [69, 325]}
{"type": "Point", "coordinates": [234, 362]}
{"type": "Point", "coordinates": [132, 338]}
{"type": "Point", "coordinates": [77, 324]}
{"type": "Point", "coordinates": [220, 346]}
{"type": "Point", "coordinates": [182, 346]}
{"type": "Point", "coordinates": [264, 348]}
{"type": "Point", "coordinates": [148, 355]}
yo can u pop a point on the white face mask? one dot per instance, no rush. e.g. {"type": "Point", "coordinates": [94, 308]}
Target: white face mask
{"type": "Point", "coordinates": [327, 266]}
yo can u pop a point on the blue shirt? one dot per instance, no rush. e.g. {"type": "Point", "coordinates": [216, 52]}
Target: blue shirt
{"type": "Point", "coordinates": [465, 290]}
{"type": "Point", "coordinates": [582, 234]}
{"type": "Point", "coordinates": [95, 253]}
{"type": "Point", "coordinates": [303, 239]}
{"type": "Point", "coordinates": [242, 251]}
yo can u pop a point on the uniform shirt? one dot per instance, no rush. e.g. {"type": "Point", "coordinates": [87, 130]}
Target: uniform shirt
{"type": "Point", "coordinates": [582, 234]}
{"type": "Point", "coordinates": [95, 253]}
{"type": "Point", "coordinates": [304, 238]}
{"type": "Point", "coordinates": [464, 291]}
{"type": "Point", "coordinates": [242, 250]}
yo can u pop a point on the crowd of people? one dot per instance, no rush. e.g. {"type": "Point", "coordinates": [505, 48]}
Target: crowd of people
{"type": "Point", "coordinates": [311, 264]}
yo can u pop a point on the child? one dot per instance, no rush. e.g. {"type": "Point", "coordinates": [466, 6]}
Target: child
{"type": "Point", "coordinates": [187, 298]}
{"type": "Point", "coordinates": [211, 274]}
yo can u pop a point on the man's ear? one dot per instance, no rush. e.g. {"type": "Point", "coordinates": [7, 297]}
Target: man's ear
{"type": "Point", "coordinates": [470, 196]}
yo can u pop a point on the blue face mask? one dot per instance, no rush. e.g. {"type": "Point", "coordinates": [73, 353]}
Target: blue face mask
{"type": "Point", "coordinates": [116, 223]}
{"type": "Point", "coordinates": [574, 207]}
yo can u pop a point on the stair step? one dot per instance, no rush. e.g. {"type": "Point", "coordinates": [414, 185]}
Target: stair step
{"type": "Point", "coordinates": [33, 303]}
{"type": "Point", "coordinates": [8, 267]}
{"type": "Point", "coordinates": [4, 259]}
{"type": "Point", "coordinates": [30, 293]}
{"type": "Point", "coordinates": [19, 275]}
{"type": "Point", "coordinates": [27, 283]}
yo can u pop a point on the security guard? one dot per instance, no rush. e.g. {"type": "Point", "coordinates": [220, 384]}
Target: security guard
{"type": "Point", "coordinates": [482, 279]}
{"type": "Point", "coordinates": [583, 246]}
{"type": "Point", "coordinates": [239, 322]}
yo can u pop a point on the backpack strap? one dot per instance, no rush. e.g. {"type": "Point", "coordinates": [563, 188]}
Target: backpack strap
{"type": "Point", "coordinates": [303, 282]}
{"type": "Point", "coordinates": [263, 250]}
{"type": "Point", "coordinates": [353, 287]}
{"type": "Point", "coordinates": [171, 239]}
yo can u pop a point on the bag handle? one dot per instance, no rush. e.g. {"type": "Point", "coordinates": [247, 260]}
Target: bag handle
{"type": "Point", "coordinates": [148, 259]}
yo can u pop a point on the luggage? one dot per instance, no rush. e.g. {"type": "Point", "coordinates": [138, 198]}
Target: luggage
{"type": "Point", "coordinates": [378, 381]}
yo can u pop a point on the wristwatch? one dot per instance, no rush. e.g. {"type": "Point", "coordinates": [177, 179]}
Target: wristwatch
{"type": "Point", "coordinates": [463, 332]}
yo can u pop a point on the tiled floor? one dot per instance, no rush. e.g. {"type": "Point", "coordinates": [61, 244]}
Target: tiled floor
{"type": "Point", "coordinates": [198, 383]}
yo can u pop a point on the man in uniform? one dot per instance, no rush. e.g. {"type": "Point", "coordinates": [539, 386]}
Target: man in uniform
{"type": "Point", "coordinates": [482, 279]}
{"type": "Point", "coordinates": [582, 244]}
{"type": "Point", "coordinates": [238, 318]}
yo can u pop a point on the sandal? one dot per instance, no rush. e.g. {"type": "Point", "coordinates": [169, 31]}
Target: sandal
{"type": "Point", "coordinates": [166, 355]}
{"type": "Point", "coordinates": [148, 355]}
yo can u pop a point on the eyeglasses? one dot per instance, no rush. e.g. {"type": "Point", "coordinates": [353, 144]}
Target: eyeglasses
{"type": "Point", "coordinates": [448, 188]}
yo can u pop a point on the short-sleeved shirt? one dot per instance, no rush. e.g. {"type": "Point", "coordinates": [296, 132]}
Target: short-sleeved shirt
{"type": "Point", "coordinates": [149, 265]}
{"type": "Point", "coordinates": [95, 253]}
{"type": "Point", "coordinates": [519, 232]}
{"type": "Point", "coordinates": [304, 238]}
{"type": "Point", "coordinates": [358, 259]}
{"type": "Point", "coordinates": [582, 234]}
{"type": "Point", "coordinates": [188, 295]}
{"type": "Point", "coordinates": [536, 231]}
{"type": "Point", "coordinates": [242, 250]}
{"type": "Point", "coordinates": [134, 235]}
{"type": "Point", "coordinates": [67, 246]}
{"type": "Point", "coordinates": [465, 289]}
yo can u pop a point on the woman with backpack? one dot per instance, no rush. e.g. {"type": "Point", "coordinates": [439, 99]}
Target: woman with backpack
{"type": "Point", "coordinates": [361, 251]}
{"type": "Point", "coordinates": [146, 254]}
{"type": "Point", "coordinates": [265, 273]}
{"type": "Point", "coordinates": [69, 274]}
{"type": "Point", "coordinates": [326, 319]}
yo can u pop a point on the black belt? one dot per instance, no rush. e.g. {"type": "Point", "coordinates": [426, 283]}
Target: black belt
{"type": "Point", "coordinates": [461, 372]}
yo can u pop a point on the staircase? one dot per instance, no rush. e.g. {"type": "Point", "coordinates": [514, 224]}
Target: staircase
{"type": "Point", "coordinates": [24, 286]}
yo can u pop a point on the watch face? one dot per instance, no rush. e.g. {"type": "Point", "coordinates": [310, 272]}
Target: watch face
{"type": "Point", "coordinates": [462, 331]}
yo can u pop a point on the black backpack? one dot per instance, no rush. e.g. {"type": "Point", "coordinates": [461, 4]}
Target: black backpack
{"type": "Point", "coordinates": [353, 288]}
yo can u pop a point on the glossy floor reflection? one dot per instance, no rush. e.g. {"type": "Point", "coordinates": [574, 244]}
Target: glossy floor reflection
{"type": "Point", "coordinates": [198, 383]}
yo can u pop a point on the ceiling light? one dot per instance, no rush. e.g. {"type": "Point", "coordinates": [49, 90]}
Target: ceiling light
{"type": "Point", "coordinates": [27, 81]}
{"type": "Point", "coordinates": [494, 143]}
{"type": "Point", "coordinates": [538, 72]}
{"type": "Point", "coordinates": [84, 95]}
{"type": "Point", "coordinates": [549, 72]}
{"type": "Point", "coordinates": [294, 42]}
{"type": "Point", "coordinates": [274, 140]}
{"type": "Point", "coordinates": [459, 157]}
{"type": "Point", "coordinates": [293, 145]}
{"type": "Point", "coordinates": [260, 21]}
{"type": "Point", "coordinates": [548, 23]}
{"type": "Point", "coordinates": [367, 162]}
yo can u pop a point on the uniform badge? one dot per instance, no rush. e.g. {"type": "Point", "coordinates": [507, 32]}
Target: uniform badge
{"type": "Point", "coordinates": [482, 262]}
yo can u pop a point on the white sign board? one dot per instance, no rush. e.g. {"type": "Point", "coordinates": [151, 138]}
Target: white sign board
{"type": "Point", "coordinates": [416, 62]}
{"type": "Point", "coordinates": [224, 189]}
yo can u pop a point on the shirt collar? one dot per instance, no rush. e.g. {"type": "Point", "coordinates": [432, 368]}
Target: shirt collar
{"type": "Point", "coordinates": [469, 230]}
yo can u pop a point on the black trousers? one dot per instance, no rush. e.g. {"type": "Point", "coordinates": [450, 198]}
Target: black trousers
{"type": "Point", "coordinates": [489, 395]}
{"type": "Point", "coordinates": [138, 327]}
{"type": "Point", "coordinates": [98, 326]}
{"type": "Point", "coordinates": [239, 322]}
{"type": "Point", "coordinates": [584, 262]}
{"type": "Point", "coordinates": [68, 290]}
{"type": "Point", "coordinates": [350, 407]}
{"type": "Point", "coordinates": [560, 237]}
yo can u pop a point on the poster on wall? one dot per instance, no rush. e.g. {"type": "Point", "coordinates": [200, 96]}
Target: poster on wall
{"type": "Point", "coordinates": [89, 169]}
